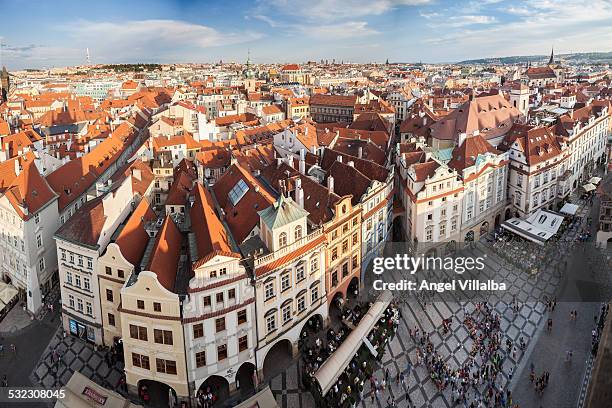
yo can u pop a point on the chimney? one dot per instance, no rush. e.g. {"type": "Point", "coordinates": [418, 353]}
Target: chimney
{"type": "Point", "coordinates": [279, 160]}
{"type": "Point", "coordinates": [299, 193]}
{"type": "Point", "coordinates": [461, 138]}
{"type": "Point", "coordinates": [351, 163]}
{"type": "Point", "coordinates": [290, 160]}
{"type": "Point", "coordinates": [17, 167]}
{"type": "Point", "coordinates": [360, 152]}
{"type": "Point", "coordinates": [339, 158]}
{"type": "Point", "coordinates": [137, 174]}
{"type": "Point", "coordinates": [330, 183]}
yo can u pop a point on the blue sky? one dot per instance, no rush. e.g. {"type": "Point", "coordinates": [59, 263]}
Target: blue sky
{"type": "Point", "coordinates": [39, 34]}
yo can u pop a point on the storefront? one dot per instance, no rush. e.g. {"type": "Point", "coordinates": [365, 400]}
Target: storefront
{"type": "Point", "coordinates": [81, 331]}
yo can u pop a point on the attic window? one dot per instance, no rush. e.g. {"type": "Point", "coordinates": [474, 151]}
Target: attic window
{"type": "Point", "coordinates": [238, 191]}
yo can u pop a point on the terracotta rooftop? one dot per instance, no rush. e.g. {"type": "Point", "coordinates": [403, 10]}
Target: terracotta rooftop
{"type": "Point", "coordinates": [166, 254]}
{"type": "Point", "coordinates": [133, 238]}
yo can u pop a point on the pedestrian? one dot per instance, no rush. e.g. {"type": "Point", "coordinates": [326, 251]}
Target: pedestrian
{"type": "Point", "coordinates": [403, 379]}
{"type": "Point", "coordinates": [397, 378]}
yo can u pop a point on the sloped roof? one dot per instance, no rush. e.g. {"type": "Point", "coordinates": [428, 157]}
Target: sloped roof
{"type": "Point", "coordinates": [166, 254]}
{"type": "Point", "coordinates": [284, 211]}
{"type": "Point", "coordinates": [465, 156]}
{"type": "Point", "coordinates": [133, 238]}
{"type": "Point", "coordinates": [241, 216]}
{"type": "Point", "coordinates": [211, 236]}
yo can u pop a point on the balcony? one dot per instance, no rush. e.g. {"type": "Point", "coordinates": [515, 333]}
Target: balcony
{"type": "Point", "coordinates": [288, 248]}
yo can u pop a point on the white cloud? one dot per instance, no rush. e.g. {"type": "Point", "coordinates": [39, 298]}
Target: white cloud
{"type": "Point", "coordinates": [461, 21]}
{"type": "Point", "coordinates": [519, 11]}
{"type": "Point", "coordinates": [332, 10]}
{"type": "Point", "coordinates": [339, 31]}
{"type": "Point", "coordinates": [162, 32]}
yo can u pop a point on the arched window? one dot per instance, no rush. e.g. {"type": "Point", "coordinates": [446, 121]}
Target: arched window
{"type": "Point", "coordinates": [282, 239]}
{"type": "Point", "coordinates": [298, 232]}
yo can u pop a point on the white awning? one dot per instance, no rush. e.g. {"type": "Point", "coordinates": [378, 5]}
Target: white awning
{"type": "Point", "coordinates": [263, 399]}
{"type": "Point", "coordinates": [7, 292]}
{"type": "Point", "coordinates": [589, 187]}
{"type": "Point", "coordinates": [569, 208]}
{"type": "Point", "coordinates": [331, 369]}
{"type": "Point", "coordinates": [537, 228]}
{"type": "Point", "coordinates": [595, 180]}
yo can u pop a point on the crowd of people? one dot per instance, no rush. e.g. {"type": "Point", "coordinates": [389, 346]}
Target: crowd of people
{"type": "Point", "coordinates": [475, 383]}
{"type": "Point", "coordinates": [349, 387]}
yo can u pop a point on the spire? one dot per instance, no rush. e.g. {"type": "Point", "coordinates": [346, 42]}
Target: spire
{"type": "Point", "coordinates": [552, 56]}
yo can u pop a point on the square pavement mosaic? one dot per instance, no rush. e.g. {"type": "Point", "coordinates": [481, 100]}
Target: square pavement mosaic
{"type": "Point", "coordinates": [73, 355]}
{"type": "Point", "coordinates": [418, 387]}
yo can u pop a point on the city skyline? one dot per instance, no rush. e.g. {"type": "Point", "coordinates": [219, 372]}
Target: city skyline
{"type": "Point", "coordinates": [287, 31]}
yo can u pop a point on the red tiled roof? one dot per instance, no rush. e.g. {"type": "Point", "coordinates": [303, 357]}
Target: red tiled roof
{"type": "Point", "coordinates": [333, 100]}
{"type": "Point", "coordinates": [242, 217]}
{"type": "Point", "coordinates": [166, 253]}
{"type": "Point", "coordinates": [465, 155]}
{"type": "Point", "coordinates": [133, 238]}
{"type": "Point", "coordinates": [210, 234]}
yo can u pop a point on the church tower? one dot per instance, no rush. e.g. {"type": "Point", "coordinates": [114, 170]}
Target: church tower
{"type": "Point", "coordinates": [5, 84]}
{"type": "Point", "coordinates": [552, 56]}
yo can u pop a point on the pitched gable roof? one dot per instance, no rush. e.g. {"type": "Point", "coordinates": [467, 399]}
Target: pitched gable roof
{"type": "Point", "coordinates": [133, 238]}
{"type": "Point", "coordinates": [211, 236]}
{"type": "Point", "coordinates": [166, 254]}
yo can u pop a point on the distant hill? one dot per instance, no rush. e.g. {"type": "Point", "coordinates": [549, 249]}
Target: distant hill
{"type": "Point", "coordinates": [585, 57]}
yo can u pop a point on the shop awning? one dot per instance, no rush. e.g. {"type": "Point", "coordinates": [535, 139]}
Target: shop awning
{"type": "Point", "coordinates": [81, 392]}
{"type": "Point", "coordinates": [589, 187]}
{"type": "Point", "coordinates": [595, 180]}
{"type": "Point", "coordinates": [538, 228]}
{"type": "Point", "coordinates": [331, 369]}
{"type": "Point", "coordinates": [7, 292]}
{"type": "Point", "coordinates": [263, 399]}
{"type": "Point", "coordinates": [569, 209]}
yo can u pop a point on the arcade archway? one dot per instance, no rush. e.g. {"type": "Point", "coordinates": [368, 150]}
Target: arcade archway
{"type": "Point", "coordinates": [278, 358]}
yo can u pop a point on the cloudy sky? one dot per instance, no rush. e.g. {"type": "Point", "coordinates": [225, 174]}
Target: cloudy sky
{"type": "Point", "coordinates": [36, 34]}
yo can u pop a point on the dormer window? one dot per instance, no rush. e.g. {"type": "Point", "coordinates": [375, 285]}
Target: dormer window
{"type": "Point", "coordinates": [282, 239]}
{"type": "Point", "coordinates": [298, 232]}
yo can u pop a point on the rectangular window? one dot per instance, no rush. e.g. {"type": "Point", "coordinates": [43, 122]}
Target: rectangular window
{"type": "Point", "coordinates": [69, 277]}
{"type": "Point", "coordinates": [285, 282]}
{"type": "Point", "coordinates": [38, 241]}
{"type": "Point", "coordinates": [156, 306]}
{"type": "Point", "coordinates": [286, 314]}
{"type": "Point", "coordinates": [314, 265]}
{"type": "Point", "coordinates": [108, 270]}
{"type": "Point", "coordinates": [299, 273]}
{"type": "Point", "coordinates": [77, 280]}
{"type": "Point", "coordinates": [109, 295]}
{"type": "Point", "coordinates": [243, 343]}
{"type": "Point", "coordinates": [86, 284]}
{"type": "Point", "coordinates": [221, 352]}
{"type": "Point", "coordinates": [242, 316]}
{"type": "Point", "coordinates": [120, 273]}
{"type": "Point", "coordinates": [231, 294]}
{"type": "Point", "coordinates": [162, 336]}
{"type": "Point", "coordinates": [355, 239]}
{"type": "Point", "coordinates": [200, 359]}
{"type": "Point", "coordinates": [141, 361]}
{"type": "Point", "coordinates": [271, 323]}
{"type": "Point", "coordinates": [140, 304]}
{"type": "Point", "coordinates": [269, 291]}
{"type": "Point", "coordinates": [220, 324]}
{"type": "Point", "coordinates": [88, 309]}
{"type": "Point", "coordinates": [198, 330]}
{"type": "Point", "coordinates": [301, 304]}
{"type": "Point", "coordinates": [206, 301]}
{"type": "Point", "coordinates": [111, 319]}
{"type": "Point", "coordinates": [314, 294]}
{"type": "Point", "coordinates": [355, 262]}
{"type": "Point", "coordinates": [71, 301]}
{"type": "Point", "coordinates": [166, 366]}
{"type": "Point", "coordinates": [219, 297]}
{"type": "Point", "coordinates": [138, 332]}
